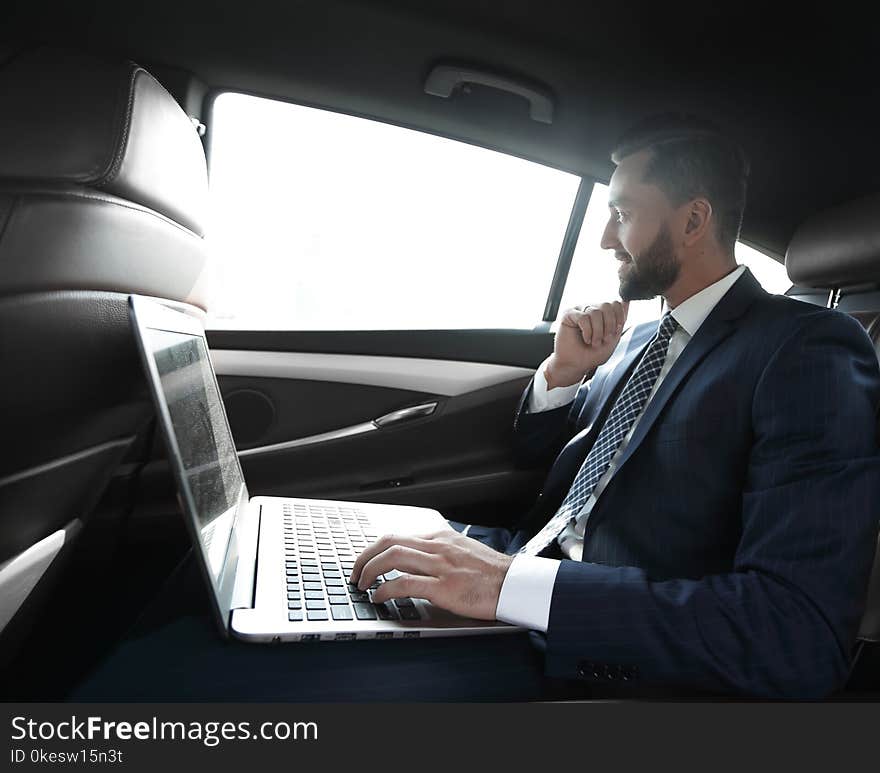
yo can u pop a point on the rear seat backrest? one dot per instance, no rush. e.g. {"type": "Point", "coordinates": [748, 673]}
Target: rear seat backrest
{"type": "Point", "coordinates": [103, 191]}
{"type": "Point", "coordinates": [840, 249]}
{"type": "Point", "coordinates": [870, 627]}
{"type": "Point", "coordinates": [871, 322]}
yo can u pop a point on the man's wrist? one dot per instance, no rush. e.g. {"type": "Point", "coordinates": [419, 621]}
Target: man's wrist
{"type": "Point", "coordinates": [542, 399]}
{"type": "Point", "coordinates": [504, 564]}
{"type": "Point", "coordinates": [562, 377]}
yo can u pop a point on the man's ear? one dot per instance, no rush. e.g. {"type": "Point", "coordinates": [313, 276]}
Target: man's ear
{"type": "Point", "coordinates": [699, 220]}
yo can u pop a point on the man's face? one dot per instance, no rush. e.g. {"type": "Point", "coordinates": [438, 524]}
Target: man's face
{"type": "Point", "coordinates": [639, 231]}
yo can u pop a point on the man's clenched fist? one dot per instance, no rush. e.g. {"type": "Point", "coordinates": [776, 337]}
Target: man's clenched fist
{"type": "Point", "coordinates": [585, 340]}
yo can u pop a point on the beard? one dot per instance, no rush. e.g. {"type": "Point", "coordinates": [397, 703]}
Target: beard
{"type": "Point", "coordinates": [652, 271]}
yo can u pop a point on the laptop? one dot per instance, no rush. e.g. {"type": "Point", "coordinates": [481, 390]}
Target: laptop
{"type": "Point", "coordinates": [277, 568]}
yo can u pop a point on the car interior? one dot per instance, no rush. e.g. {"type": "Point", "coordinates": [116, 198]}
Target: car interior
{"type": "Point", "coordinates": [115, 142]}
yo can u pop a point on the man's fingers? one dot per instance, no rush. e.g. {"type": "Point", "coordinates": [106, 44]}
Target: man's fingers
{"type": "Point", "coordinates": [578, 319]}
{"type": "Point", "coordinates": [570, 317]}
{"type": "Point", "coordinates": [597, 324]}
{"type": "Point", "coordinates": [610, 319]}
{"type": "Point", "coordinates": [597, 317]}
{"type": "Point", "coordinates": [620, 315]}
{"type": "Point", "coordinates": [439, 533]}
{"type": "Point", "coordinates": [406, 586]}
{"type": "Point", "coordinates": [575, 316]}
{"type": "Point", "coordinates": [586, 327]}
{"type": "Point", "coordinates": [403, 559]}
{"type": "Point", "coordinates": [383, 543]}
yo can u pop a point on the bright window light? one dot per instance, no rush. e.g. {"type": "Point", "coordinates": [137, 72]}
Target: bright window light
{"type": "Point", "coordinates": [323, 221]}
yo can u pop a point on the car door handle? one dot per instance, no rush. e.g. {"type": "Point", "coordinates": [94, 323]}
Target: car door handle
{"type": "Point", "coordinates": [405, 414]}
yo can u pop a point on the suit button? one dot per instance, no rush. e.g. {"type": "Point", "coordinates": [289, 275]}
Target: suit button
{"type": "Point", "coordinates": [584, 668]}
{"type": "Point", "coordinates": [597, 672]}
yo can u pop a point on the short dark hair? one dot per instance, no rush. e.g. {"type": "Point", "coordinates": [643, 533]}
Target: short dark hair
{"type": "Point", "coordinates": [692, 157]}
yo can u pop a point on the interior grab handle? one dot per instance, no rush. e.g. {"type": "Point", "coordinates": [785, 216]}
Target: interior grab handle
{"type": "Point", "coordinates": [405, 414]}
{"type": "Point", "coordinates": [445, 78]}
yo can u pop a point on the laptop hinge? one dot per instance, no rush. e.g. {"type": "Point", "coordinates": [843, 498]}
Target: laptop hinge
{"type": "Point", "coordinates": [248, 535]}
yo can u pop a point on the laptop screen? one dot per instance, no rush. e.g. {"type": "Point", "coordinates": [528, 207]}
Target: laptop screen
{"type": "Point", "coordinates": [211, 471]}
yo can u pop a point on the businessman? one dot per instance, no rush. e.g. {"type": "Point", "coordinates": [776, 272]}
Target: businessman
{"type": "Point", "coordinates": [710, 515]}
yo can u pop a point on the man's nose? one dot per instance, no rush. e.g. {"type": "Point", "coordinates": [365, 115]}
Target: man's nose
{"type": "Point", "coordinates": [609, 239]}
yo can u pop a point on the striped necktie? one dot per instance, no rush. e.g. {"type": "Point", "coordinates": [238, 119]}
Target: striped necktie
{"type": "Point", "coordinates": [628, 406]}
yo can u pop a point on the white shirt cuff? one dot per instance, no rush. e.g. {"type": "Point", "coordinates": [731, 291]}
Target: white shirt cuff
{"type": "Point", "coordinates": [543, 399]}
{"type": "Point", "coordinates": [527, 591]}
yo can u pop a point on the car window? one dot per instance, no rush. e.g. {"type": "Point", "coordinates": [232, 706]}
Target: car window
{"type": "Point", "coordinates": [767, 270]}
{"type": "Point", "coordinates": [324, 221]}
{"type": "Point", "coordinates": [593, 274]}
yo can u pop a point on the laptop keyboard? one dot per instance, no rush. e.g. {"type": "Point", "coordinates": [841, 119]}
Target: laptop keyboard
{"type": "Point", "coordinates": [321, 543]}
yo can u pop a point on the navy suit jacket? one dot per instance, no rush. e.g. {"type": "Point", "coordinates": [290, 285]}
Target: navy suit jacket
{"type": "Point", "coordinates": [731, 550]}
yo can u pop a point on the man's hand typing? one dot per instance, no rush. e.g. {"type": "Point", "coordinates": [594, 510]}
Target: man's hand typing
{"type": "Point", "coordinates": [449, 570]}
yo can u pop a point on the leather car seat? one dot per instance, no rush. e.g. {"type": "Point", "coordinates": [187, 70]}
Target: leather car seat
{"type": "Point", "coordinates": [840, 249]}
{"type": "Point", "coordinates": [103, 192]}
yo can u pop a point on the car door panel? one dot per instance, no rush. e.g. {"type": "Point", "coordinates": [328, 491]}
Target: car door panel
{"type": "Point", "coordinates": [304, 420]}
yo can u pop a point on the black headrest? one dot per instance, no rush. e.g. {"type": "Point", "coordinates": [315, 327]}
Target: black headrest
{"type": "Point", "coordinates": [839, 247]}
{"type": "Point", "coordinates": [76, 119]}
{"type": "Point", "coordinates": [103, 181]}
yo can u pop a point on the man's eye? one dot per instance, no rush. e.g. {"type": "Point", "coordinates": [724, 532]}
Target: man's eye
{"type": "Point", "coordinates": [620, 216]}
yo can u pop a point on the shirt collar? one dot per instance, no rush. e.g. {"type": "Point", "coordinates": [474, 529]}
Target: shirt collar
{"type": "Point", "coordinates": [692, 312]}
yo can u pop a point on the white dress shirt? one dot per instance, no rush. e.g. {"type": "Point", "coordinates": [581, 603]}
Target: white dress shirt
{"type": "Point", "coordinates": [528, 587]}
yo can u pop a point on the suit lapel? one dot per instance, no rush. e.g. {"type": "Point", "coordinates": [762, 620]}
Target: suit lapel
{"type": "Point", "coordinates": [718, 325]}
